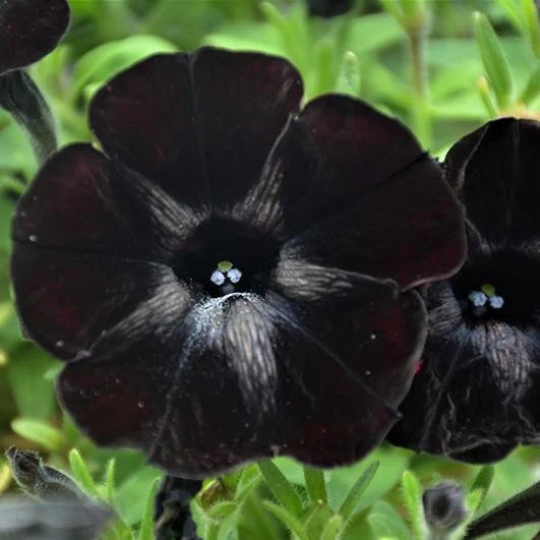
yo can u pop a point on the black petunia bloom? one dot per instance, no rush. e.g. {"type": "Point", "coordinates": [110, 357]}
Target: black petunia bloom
{"type": "Point", "coordinates": [233, 281]}
{"type": "Point", "coordinates": [29, 30]}
{"type": "Point", "coordinates": [476, 396]}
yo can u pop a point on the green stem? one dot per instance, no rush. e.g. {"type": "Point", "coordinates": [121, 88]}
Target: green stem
{"type": "Point", "coordinates": [420, 112]}
{"type": "Point", "coordinates": [21, 97]}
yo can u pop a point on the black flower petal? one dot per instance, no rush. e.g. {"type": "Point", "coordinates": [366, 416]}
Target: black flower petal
{"type": "Point", "coordinates": [29, 30]}
{"type": "Point", "coordinates": [72, 303]}
{"type": "Point", "coordinates": [494, 170]}
{"type": "Point", "coordinates": [403, 229]}
{"type": "Point", "coordinates": [475, 396]}
{"type": "Point", "coordinates": [329, 157]}
{"type": "Point", "coordinates": [249, 381]}
{"type": "Point", "coordinates": [82, 202]}
{"type": "Point", "coordinates": [179, 279]}
{"type": "Point", "coordinates": [199, 124]}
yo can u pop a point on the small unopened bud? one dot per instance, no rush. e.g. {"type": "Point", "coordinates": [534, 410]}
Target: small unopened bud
{"type": "Point", "coordinates": [444, 507]}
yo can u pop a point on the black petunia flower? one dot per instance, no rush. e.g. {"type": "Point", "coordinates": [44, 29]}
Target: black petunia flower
{"type": "Point", "coordinates": [29, 30]}
{"type": "Point", "coordinates": [476, 396]}
{"type": "Point", "coordinates": [233, 280]}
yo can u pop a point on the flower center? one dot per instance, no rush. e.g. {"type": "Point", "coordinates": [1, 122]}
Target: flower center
{"type": "Point", "coordinates": [223, 257]}
{"type": "Point", "coordinates": [504, 287]}
{"type": "Point", "coordinates": [484, 300]}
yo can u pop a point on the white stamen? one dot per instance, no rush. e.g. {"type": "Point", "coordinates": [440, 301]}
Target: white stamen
{"type": "Point", "coordinates": [217, 278]}
{"type": "Point", "coordinates": [496, 302]}
{"type": "Point", "coordinates": [478, 298]}
{"type": "Point", "coordinates": [234, 275]}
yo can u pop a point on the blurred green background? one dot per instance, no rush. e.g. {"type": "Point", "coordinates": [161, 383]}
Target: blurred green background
{"type": "Point", "coordinates": [436, 66]}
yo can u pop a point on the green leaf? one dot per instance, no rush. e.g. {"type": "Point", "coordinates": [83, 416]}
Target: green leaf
{"type": "Point", "coordinates": [370, 33]}
{"type": "Point", "coordinates": [282, 489]}
{"type": "Point", "coordinates": [412, 497]}
{"type": "Point", "coordinates": [38, 432]}
{"type": "Point", "coordinates": [386, 522]}
{"type": "Point", "coordinates": [315, 484]}
{"type": "Point", "coordinates": [129, 502]}
{"type": "Point", "coordinates": [532, 23]}
{"type": "Point", "coordinates": [483, 482]}
{"type": "Point", "coordinates": [348, 81]}
{"type": "Point", "coordinates": [483, 89]}
{"type": "Point", "coordinates": [146, 531]}
{"type": "Point", "coordinates": [289, 520]}
{"type": "Point", "coordinates": [249, 480]}
{"type": "Point", "coordinates": [33, 393]}
{"type": "Point", "coordinates": [395, 9]}
{"type": "Point", "coordinates": [107, 60]}
{"type": "Point", "coordinates": [532, 90]}
{"type": "Point", "coordinates": [81, 473]}
{"type": "Point", "coordinates": [109, 481]}
{"type": "Point", "coordinates": [332, 529]}
{"type": "Point", "coordinates": [315, 517]}
{"type": "Point", "coordinates": [352, 500]}
{"type": "Point", "coordinates": [494, 60]}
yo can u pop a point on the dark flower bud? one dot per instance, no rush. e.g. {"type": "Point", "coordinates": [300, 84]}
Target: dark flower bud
{"type": "Point", "coordinates": [39, 480]}
{"type": "Point", "coordinates": [329, 8]}
{"type": "Point", "coordinates": [444, 507]}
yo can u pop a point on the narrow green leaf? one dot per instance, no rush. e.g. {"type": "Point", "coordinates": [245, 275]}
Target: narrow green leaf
{"type": "Point", "coordinates": [288, 519]}
{"type": "Point", "coordinates": [38, 432]}
{"type": "Point", "coordinates": [352, 499]}
{"type": "Point", "coordinates": [514, 13]}
{"type": "Point", "coordinates": [227, 527]}
{"type": "Point", "coordinates": [33, 393]}
{"type": "Point", "coordinates": [494, 60]}
{"type": "Point", "coordinates": [332, 528]}
{"type": "Point", "coordinates": [222, 510]}
{"type": "Point", "coordinates": [109, 481]}
{"type": "Point", "coordinates": [212, 530]}
{"type": "Point", "coordinates": [532, 22]}
{"type": "Point", "coordinates": [532, 90]}
{"type": "Point", "coordinates": [146, 531]}
{"type": "Point", "coordinates": [81, 473]}
{"type": "Point", "coordinates": [412, 497]}
{"type": "Point", "coordinates": [483, 89]}
{"type": "Point", "coordinates": [483, 482]}
{"type": "Point", "coordinates": [315, 484]}
{"type": "Point", "coordinates": [325, 58]}
{"type": "Point", "coordinates": [249, 480]}
{"type": "Point", "coordinates": [282, 489]}
{"type": "Point", "coordinates": [394, 8]}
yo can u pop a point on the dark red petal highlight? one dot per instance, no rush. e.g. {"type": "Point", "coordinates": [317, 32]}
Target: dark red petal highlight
{"type": "Point", "coordinates": [72, 302]}
{"type": "Point", "coordinates": [336, 151]}
{"type": "Point", "coordinates": [81, 202]}
{"type": "Point", "coordinates": [201, 125]}
{"type": "Point", "coordinates": [409, 229]}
